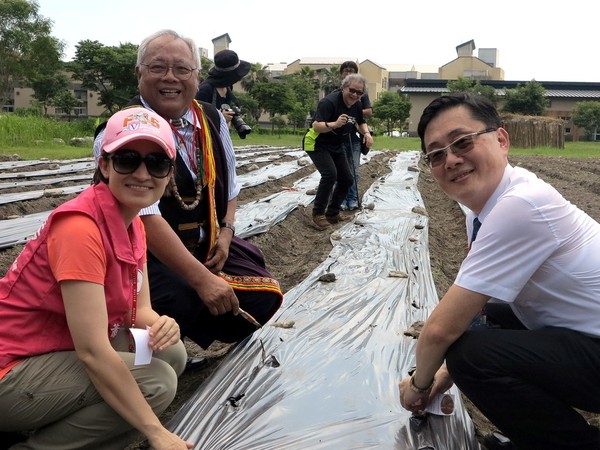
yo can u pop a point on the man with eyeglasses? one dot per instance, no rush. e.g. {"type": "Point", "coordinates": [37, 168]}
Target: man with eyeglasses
{"type": "Point", "coordinates": [334, 120]}
{"type": "Point", "coordinates": [200, 273]}
{"type": "Point", "coordinates": [533, 269]}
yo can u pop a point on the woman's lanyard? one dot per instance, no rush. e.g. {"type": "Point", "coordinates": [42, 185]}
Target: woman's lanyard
{"type": "Point", "coordinates": [134, 299]}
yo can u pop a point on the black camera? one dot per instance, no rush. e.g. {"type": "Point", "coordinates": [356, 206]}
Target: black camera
{"type": "Point", "coordinates": [351, 120]}
{"type": "Point", "coordinates": [242, 128]}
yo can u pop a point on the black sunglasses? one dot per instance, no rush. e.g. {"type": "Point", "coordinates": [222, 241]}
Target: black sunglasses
{"type": "Point", "coordinates": [127, 161]}
{"type": "Point", "coordinates": [355, 91]}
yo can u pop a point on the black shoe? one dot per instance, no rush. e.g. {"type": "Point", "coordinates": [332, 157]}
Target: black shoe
{"type": "Point", "coordinates": [497, 441]}
{"type": "Point", "coordinates": [195, 363]}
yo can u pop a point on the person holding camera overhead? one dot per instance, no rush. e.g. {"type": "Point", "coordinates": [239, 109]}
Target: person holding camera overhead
{"type": "Point", "coordinates": [334, 120]}
{"type": "Point", "coordinates": [217, 89]}
{"type": "Point", "coordinates": [352, 146]}
{"type": "Point", "coordinates": [200, 272]}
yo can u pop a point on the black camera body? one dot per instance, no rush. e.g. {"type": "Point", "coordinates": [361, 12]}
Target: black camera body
{"type": "Point", "coordinates": [351, 120]}
{"type": "Point", "coordinates": [242, 128]}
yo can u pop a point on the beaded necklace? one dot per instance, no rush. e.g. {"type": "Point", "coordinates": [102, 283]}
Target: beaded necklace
{"type": "Point", "coordinates": [196, 164]}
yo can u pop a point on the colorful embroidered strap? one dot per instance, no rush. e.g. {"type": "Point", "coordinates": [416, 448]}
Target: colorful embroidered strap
{"type": "Point", "coordinates": [207, 170]}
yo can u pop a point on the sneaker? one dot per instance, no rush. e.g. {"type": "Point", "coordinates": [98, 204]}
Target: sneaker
{"type": "Point", "coordinates": [321, 221]}
{"type": "Point", "coordinates": [343, 206]}
{"type": "Point", "coordinates": [352, 206]}
{"type": "Point", "coordinates": [337, 218]}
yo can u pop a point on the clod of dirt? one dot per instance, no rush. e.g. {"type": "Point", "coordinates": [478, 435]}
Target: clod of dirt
{"type": "Point", "coordinates": [327, 278]}
{"type": "Point", "coordinates": [284, 324]}
{"type": "Point", "coordinates": [415, 329]}
{"type": "Point", "coordinates": [397, 274]}
{"type": "Point", "coordinates": [420, 210]}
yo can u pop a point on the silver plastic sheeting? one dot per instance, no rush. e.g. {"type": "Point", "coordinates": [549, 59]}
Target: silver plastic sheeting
{"type": "Point", "coordinates": [45, 181]}
{"type": "Point", "coordinates": [259, 216]}
{"type": "Point", "coordinates": [90, 165]}
{"type": "Point", "coordinates": [32, 195]}
{"type": "Point", "coordinates": [272, 172]}
{"type": "Point", "coordinates": [330, 381]}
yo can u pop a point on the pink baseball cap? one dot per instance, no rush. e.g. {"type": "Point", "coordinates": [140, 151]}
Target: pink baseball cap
{"type": "Point", "coordinates": [138, 124]}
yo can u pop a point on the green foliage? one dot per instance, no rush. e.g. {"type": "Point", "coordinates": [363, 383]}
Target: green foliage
{"type": "Point", "coordinates": [393, 109]}
{"type": "Point", "coordinates": [249, 106]}
{"type": "Point", "coordinates": [47, 87]}
{"type": "Point", "coordinates": [305, 89]}
{"type": "Point", "coordinates": [258, 74]}
{"type": "Point", "coordinates": [66, 101]}
{"type": "Point", "coordinates": [275, 97]}
{"type": "Point", "coordinates": [25, 44]}
{"type": "Point", "coordinates": [463, 84]}
{"type": "Point", "coordinates": [528, 99]}
{"type": "Point", "coordinates": [28, 112]}
{"type": "Point", "coordinates": [587, 115]}
{"type": "Point", "coordinates": [205, 65]}
{"type": "Point", "coordinates": [31, 131]}
{"type": "Point", "coordinates": [34, 137]}
{"type": "Point", "coordinates": [108, 70]}
{"type": "Point", "coordinates": [330, 79]}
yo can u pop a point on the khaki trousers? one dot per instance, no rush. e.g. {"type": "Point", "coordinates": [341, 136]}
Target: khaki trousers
{"type": "Point", "coordinates": [52, 396]}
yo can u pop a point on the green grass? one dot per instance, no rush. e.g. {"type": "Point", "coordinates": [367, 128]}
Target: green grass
{"type": "Point", "coordinates": [35, 138]}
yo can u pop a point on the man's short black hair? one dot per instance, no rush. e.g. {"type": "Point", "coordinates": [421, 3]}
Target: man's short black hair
{"type": "Point", "coordinates": [480, 108]}
{"type": "Point", "coordinates": [349, 64]}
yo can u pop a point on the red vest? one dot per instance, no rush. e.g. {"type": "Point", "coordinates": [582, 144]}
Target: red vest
{"type": "Point", "coordinates": [32, 312]}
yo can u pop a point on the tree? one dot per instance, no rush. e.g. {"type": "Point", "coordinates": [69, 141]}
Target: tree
{"type": "Point", "coordinates": [393, 108]}
{"type": "Point", "coordinates": [587, 116]}
{"type": "Point", "coordinates": [305, 90]}
{"type": "Point", "coordinates": [258, 74]}
{"type": "Point", "coordinates": [24, 39]}
{"type": "Point", "coordinates": [463, 84]}
{"type": "Point", "coordinates": [66, 102]}
{"type": "Point", "coordinates": [330, 79]}
{"type": "Point", "coordinates": [108, 70]}
{"type": "Point", "coordinates": [274, 97]}
{"type": "Point", "coordinates": [528, 99]}
{"type": "Point", "coordinates": [205, 66]}
{"type": "Point", "coordinates": [46, 87]}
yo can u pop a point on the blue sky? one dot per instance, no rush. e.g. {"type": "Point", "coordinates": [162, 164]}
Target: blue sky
{"type": "Point", "coordinates": [553, 42]}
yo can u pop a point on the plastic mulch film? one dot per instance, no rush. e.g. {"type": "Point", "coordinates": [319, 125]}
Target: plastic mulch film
{"type": "Point", "coordinates": [324, 372]}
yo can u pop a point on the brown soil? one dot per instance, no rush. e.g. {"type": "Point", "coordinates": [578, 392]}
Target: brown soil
{"type": "Point", "coordinates": [290, 260]}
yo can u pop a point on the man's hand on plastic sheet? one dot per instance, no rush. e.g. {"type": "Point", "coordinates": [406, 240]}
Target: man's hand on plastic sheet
{"type": "Point", "coordinates": [416, 402]}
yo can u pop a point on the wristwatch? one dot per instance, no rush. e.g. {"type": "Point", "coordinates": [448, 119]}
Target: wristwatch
{"type": "Point", "coordinates": [228, 225]}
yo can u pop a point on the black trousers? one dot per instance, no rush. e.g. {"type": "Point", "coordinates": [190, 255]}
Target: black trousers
{"type": "Point", "coordinates": [336, 179]}
{"type": "Point", "coordinates": [529, 382]}
{"type": "Point", "coordinates": [172, 295]}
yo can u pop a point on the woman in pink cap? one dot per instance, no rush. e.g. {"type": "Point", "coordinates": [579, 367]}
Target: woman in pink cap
{"type": "Point", "coordinates": [70, 370]}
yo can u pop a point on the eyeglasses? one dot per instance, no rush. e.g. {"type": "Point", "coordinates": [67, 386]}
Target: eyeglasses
{"type": "Point", "coordinates": [355, 91]}
{"type": "Point", "coordinates": [460, 146]}
{"type": "Point", "coordinates": [127, 161]}
{"type": "Point", "coordinates": [158, 70]}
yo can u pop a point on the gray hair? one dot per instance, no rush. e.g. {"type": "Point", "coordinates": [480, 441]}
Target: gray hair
{"type": "Point", "coordinates": [143, 48]}
{"type": "Point", "coordinates": [354, 78]}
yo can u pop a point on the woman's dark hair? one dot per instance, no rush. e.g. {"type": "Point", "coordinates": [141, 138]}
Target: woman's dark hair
{"type": "Point", "coordinates": [481, 108]}
{"type": "Point", "coordinates": [98, 176]}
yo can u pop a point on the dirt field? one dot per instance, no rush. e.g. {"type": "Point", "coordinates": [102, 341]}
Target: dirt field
{"type": "Point", "coordinates": [290, 259]}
